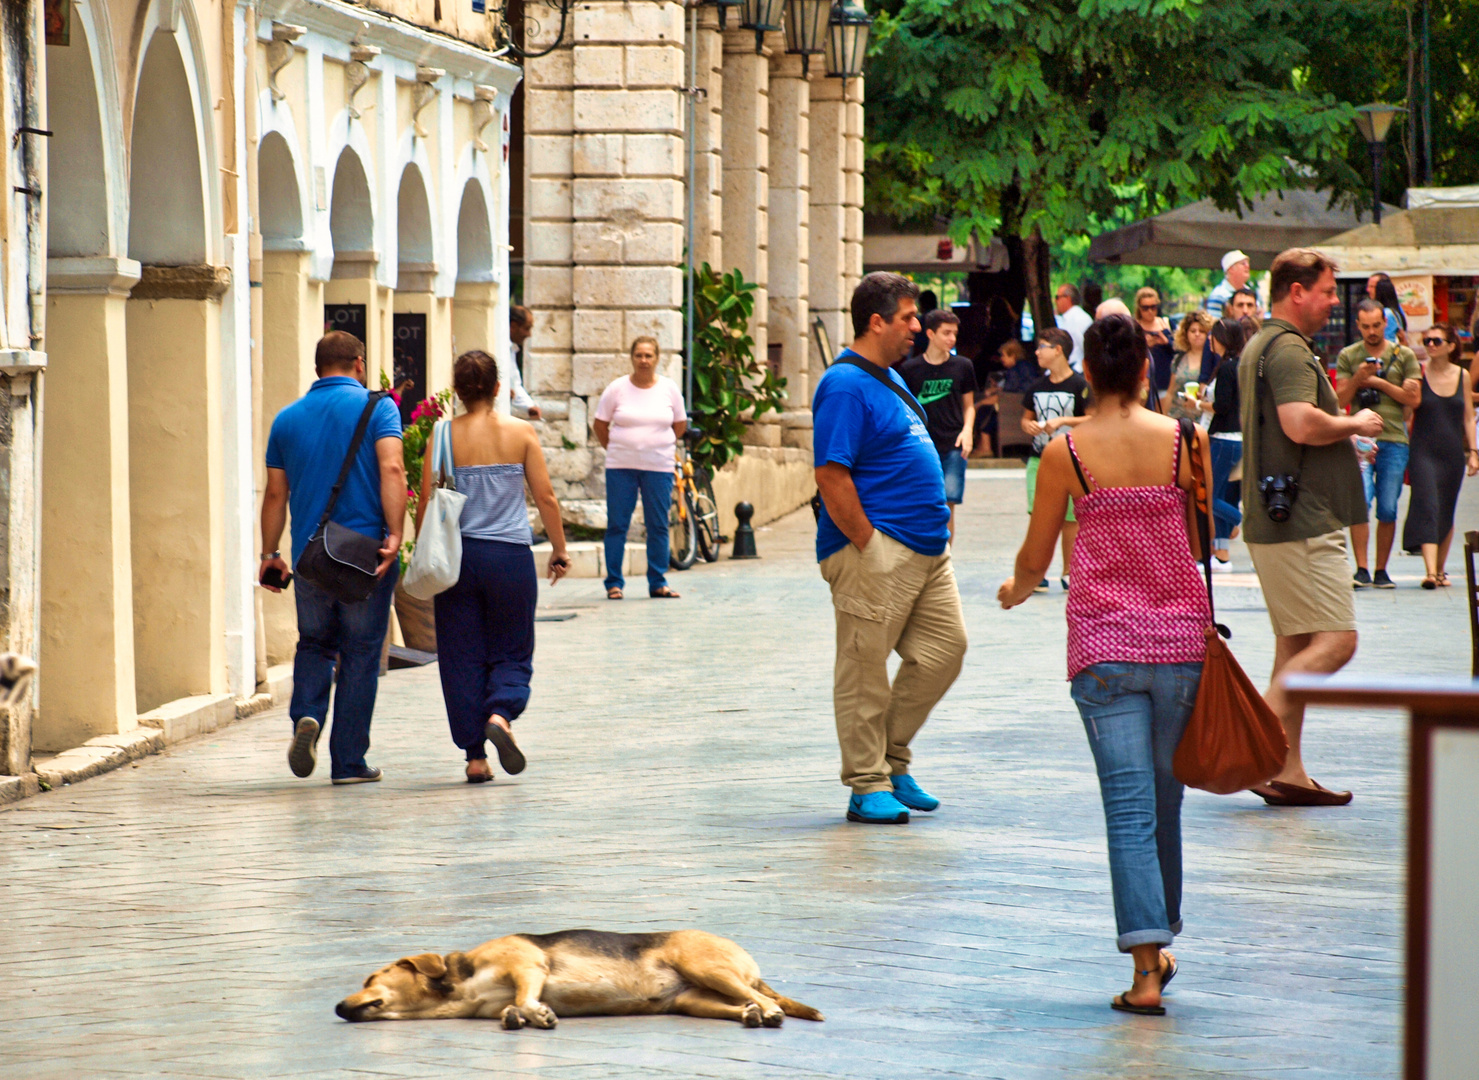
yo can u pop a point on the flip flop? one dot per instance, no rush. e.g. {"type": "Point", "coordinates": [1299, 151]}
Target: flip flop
{"type": "Point", "coordinates": [1294, 795]}
{"type": "Point", "coordinates": [1170, 971]}
{"type": "Point", "coordinates": [1119, 1003]}
{"type": "Point", "coordinates": [509, 755]}
{"type": "Point", "coordinates": [613, 594]}
{"type": "Point", "coordinates": [664, 593]}
{"type": "Point", "coordinates": [1430, 582]}
{"type": "Point", "coordinates": [1265, 792]}
{"type": "Point", "coordinates": [481, 779]}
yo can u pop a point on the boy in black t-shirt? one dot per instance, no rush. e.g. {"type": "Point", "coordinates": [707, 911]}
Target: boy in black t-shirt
{"type": "Point", "coordinates": [1055, 402]}
{"type": "Point", "coordinates": [945, 385]}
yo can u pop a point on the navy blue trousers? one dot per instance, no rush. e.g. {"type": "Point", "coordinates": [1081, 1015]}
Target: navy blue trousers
{"type": "Point", "coordinates": [485, 639]}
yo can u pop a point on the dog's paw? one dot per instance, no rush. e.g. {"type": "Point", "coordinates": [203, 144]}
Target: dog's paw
{"type": "Point", "coordinates": [540, 1015]}
{"type": "Point", "coordinates": [750, 1015]}
{"type": "Point", "coordinates": [512, 1019]}
{"type": "Point", "coordinates": [775, 1019]}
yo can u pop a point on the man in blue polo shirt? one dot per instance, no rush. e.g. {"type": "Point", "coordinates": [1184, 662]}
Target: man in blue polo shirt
{"type": "Point", "coordinates": [882, 540]}
{"type": "Point", "coordinates": [304, 455]}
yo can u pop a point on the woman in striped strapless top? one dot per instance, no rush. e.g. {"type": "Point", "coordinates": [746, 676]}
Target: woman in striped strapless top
{"type": "Point", "coordinates": [485, 623]}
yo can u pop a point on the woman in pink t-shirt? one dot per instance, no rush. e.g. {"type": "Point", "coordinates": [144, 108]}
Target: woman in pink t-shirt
{"type": "Point", "coordinates": [639, 420]}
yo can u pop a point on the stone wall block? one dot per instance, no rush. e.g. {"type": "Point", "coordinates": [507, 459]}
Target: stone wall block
{"type": "Point", "coordinates": [548, 198]}
{"type": "Point", "coordinates": [553, 329]}
{"type": "Point", "coordinates": [551, 72]}
{"type": "Point", "coordinates": [541, 25]}
{"type": "Point", "coordinates": [665, 325]}
{"type": "Point", "coordinates": [599, 155]}
{"type": "Point", "coordinates": [599, 330]}
{"type": "Point", "coordinates": [548, 155]}
{"type": "Point", "coordinates": [598, 242]}
{"type": "Point", "coordinates": [598, 65]}
{"type": "Point", "coordinates": [579, 420]}
{"type": "Point", "coordinates": [622, 22]}
{"type": "Point", "coordinates": [593, 372]}
{"type": "Point", "coordinates": [762, 435]}
{"type": "Point", "coordinates": [656, 155]}
{"type": "Point", "coordinates": [852, 160]}
{"type": "Point", "coordinates": [547, 286]}
{"type": "Point", "coordinates": [547, 372]}
{"type": "Point", "coordinates": [627, 110]}
{"type": "Point", "coordinates": [797, 437]}
{"type": "Point", "coordinates": [570, 465]}
{"type": "Point", "coordinates": [626, 203]}
{"type": "Point", "coordinates": [659, 242]}
{"type": "Point", "coordinates": [549, 112]}
{"type": "Point", "coordinates": [547, 242]}
{"type": "Point", "coordinates": [654, 65]}
{"type": "Point", "coordinates": [619, 286]}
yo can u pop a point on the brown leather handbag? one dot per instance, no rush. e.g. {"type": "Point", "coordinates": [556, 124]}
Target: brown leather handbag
{"type": "Point", "coordinates": [1233, 739]}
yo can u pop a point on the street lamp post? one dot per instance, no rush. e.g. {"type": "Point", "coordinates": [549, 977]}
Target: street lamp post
{"type": "Point", "coordinates": [1374, 121]}
{"type": "Point", "coordinates": [847, 40]}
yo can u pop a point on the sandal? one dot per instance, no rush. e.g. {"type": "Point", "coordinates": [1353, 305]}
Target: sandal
{"type": "Point", "coordinates": [664, 593]}
{"type": "Point", "coordinates": [1120, 1003]}
{"type": "Point", "coordinates": [479, 778]}
{"type": "Point", "coordinates": [613, 594]}
{"type": "Point", "coordinates": [1294, 795]}
{"type": "Point", "coordinates": [509, 754]}
{"type": "Point", "coordinates": [1430, 582]}
{"type": "Point", "coordinates": [1443, 581]}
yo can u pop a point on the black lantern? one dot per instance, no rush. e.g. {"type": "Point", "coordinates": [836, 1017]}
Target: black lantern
{"type": "Point", "coordinates": [847, 40]}
{"type": "Point", "coordinates": [760, 16]}
{"type": "Point", "coordinates": [723, 6]}
{"type": "Point", "coordinates": [806, 30]}
{"type": "Point", "coordinates": [1374, 121]}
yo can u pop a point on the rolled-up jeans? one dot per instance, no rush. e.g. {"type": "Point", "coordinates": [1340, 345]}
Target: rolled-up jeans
{"type": "Point", "coordinates": [1226, 453]}
{"type": "Point", "coordinates": [1134, 715]}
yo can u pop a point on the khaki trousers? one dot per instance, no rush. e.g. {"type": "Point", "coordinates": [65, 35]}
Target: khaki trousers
{"type": "Point", "coordinates": [890, 598]}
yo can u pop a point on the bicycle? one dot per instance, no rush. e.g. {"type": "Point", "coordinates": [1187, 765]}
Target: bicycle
{"type": "Point", "coordinates": [693, 518]}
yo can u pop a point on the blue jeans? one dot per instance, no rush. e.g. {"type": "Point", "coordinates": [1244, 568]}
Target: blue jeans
{"type": "Point", "coordinates": [349, 637]}
{"type": "Point", "coordinates": [1383, 480]}
{"type": "Point", "coordinates": [485, 638]}
{"type": "Point", "coordinates": [952, 464]}
{"type": "Point", "coordinates": [1134, 715]}
{"type": "Point", "coordinates": [1226, 453]}
{"type": "Point", "coordinates": [622, 488]}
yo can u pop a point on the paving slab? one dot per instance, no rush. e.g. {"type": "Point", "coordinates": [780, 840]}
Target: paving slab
{"type": "Point", "coordinates": [197, 913]}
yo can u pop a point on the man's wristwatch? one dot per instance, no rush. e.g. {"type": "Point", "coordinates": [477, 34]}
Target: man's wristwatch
{"type": "Point", "coordinates": [266, 555]}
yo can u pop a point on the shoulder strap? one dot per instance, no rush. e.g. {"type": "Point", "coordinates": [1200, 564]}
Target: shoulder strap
{"type": "Point", "coordinates": [1260, 380]}
{"type": "Point", "coordinates": [1203, 515]}
{"type": "Point", "coordinates": [878, 373]}
{"type": "Point", "coordinates": [354, 444]}
{"type": "Point", "coordinates": [1077, 465]}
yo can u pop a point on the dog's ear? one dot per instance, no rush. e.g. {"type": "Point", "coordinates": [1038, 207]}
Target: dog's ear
{"type": "Point", "coordinates": [459, 966]}
{"type": "Point", "coordinates": [429, 964]}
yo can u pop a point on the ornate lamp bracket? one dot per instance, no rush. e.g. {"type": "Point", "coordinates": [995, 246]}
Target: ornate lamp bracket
{"type": "Point", "coordinates": [280, 53]}
{"type": "Point", "coordinates": [426, 90]}
{"type": "Point", "coordinates": [358, 72]}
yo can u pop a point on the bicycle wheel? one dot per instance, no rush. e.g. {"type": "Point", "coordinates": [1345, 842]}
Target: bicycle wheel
{"type": "Point", "coordinates": [706, 514]}
{"type": "Point", "coordinates": [682, 531]}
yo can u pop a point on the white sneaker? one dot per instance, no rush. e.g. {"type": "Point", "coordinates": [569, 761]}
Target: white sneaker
{"type": "Point", "coordinates": [1220, 567]}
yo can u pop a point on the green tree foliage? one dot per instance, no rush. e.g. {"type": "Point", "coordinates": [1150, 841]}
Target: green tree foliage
{"type": "Point", "coordinates": [729, 386]}
{"type": "Point", "coordinates": [1038, 118]}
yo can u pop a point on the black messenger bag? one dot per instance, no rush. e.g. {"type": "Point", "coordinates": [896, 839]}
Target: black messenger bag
{"type": "Point", "coordinates": [339, 560]}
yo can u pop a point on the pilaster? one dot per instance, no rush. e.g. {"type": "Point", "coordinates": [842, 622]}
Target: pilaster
{"type": "Point", "coordinates": [789, 219]}
{"type": "Point", "coordinates": [746, 153]}
{"type": "Point", "coordinates": [829, 293]}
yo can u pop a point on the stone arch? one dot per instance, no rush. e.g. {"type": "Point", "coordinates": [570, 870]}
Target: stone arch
{"type": "Point", "coordinates": [80, 169]}
{"type": "Point", "coordinates": [167, 200]}
{"type": "Point", "coordinates": [351, 208]}
{"type": "Point", "coordinates": [279, 199]}
{"type": "Point", "coordinates": [474, 236]}
{"type": "Point", "coordinates": [414, 242]}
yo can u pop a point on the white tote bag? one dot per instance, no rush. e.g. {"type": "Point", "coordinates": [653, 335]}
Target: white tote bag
{"type": "Point", "coordinates": [436, 561]}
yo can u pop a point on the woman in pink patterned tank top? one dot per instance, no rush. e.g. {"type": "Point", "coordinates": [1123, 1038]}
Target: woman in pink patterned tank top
{"type": "Point", "coordinates": [1136, 615]}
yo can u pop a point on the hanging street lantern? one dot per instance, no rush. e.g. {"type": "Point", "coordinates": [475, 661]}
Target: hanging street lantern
{"type": "Point", "coordinates": [723, 6]}
{"type": "Point", "coordinates": [1374, 121]}
{"type": "Point", "coordinates": [847, 40]}
{"type": "Point", "coordinates": [760, 16]}
{"type": "Point", "coordinates": [806, 30]}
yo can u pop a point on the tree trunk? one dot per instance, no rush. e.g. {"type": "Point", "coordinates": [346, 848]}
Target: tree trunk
{"type": "Point", "coordinates": [1038, 269]}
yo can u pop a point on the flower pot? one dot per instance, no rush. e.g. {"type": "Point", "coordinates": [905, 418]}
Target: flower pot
{"type": "Point", "coordinates": [418, 621]}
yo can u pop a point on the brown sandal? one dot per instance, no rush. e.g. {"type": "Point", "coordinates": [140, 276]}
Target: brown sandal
{"type": "Point", "coordinates": [613, 594]}
{"type": "Point", "coordinates": [664, 593]}
{"type": "Point", "coordinates": [1294, 795]}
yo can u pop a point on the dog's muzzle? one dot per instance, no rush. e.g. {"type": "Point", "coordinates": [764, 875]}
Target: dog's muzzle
{"type": "Point", "coordinates": [355, 1013]}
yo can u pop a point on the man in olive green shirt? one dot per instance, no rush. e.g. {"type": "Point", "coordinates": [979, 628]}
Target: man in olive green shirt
{"type": "Point", "coordinates": [1386, 377]}
{"type": "Point", "coordinates": [1293, 427]}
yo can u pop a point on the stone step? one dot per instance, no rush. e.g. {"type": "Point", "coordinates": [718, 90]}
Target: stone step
{"type": "Point", "coordinates": [588, 559]}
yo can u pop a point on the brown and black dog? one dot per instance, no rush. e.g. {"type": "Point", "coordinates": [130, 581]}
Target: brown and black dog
{"type": "Point", "coordinates": [534, 979]}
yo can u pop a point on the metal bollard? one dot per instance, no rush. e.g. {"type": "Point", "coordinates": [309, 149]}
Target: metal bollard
{"type": "Point", "coordinates": [744, 533]}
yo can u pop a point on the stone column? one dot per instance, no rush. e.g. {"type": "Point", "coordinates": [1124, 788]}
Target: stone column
{"type": "Point", "coordinates": [747, 171]}
{"type": "Point", "coordinates": [176, 484]}
{"type": "Point", "coordinates": [86, 595]}
{"type": "Point", "coordinates": [852, 187]}
{"type": "Point", "coordinates": [549, 100]}
{"type": "Point", "coordinates": [829, 293]}
{"type": "Point", "coordinates": [708, 166]}
{"type": "Point", "coordinates": [789, 217]}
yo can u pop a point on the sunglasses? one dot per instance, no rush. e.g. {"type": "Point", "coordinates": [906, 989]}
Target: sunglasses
{"type": "Point", "coordinates": [1435, 341]}
{"type": "Point", "coordinates": [1149, 307]}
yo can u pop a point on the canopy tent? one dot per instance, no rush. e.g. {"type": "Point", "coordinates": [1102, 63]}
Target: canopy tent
{"type": "Point", "coordinates": [1198, 234]}
{"type": "Point", "coordinates": [1439, 236]}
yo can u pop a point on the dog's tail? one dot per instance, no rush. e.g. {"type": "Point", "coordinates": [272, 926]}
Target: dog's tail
{"type": "Point", "coordinates": [790, 1007]}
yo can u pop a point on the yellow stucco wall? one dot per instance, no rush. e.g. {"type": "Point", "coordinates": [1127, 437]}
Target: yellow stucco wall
{"type": "Point", "coordinates": [438, 312]}
{"type": "Point", "coordinates": [87, 627]}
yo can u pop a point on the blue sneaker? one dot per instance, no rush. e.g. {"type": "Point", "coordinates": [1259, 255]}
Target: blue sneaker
{"type": "Point", "coordinates": [912, 795]}
{"type": "Point", "coordinates": [877, 808]}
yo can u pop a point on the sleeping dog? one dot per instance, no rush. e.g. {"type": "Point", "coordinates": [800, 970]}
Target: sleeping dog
{"type": "Point", "coordinates": [534, 979]}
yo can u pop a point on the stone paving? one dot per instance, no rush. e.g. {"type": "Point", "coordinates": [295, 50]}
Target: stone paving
{"type": "Point", "coordinates": [199, 913]}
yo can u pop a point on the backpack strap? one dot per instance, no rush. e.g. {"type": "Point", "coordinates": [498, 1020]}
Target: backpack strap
{"type": "Point", "coordinates": [1203, 515]}
{"type": "Point", "coordinates": [882, 376]}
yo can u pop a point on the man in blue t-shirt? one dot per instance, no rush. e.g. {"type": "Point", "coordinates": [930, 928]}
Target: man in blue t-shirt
{"type": "Point", "coordinates": [304, 455]}
{"type": "Point", "coordinates": [882, 539]}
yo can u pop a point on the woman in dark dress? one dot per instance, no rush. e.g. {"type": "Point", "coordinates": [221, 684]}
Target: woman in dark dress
{"type": "Point", "coordinates": [1442, 444]}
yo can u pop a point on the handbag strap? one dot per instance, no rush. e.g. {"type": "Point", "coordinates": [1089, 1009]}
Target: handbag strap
{"type": "Point", "coordinates": [354, 444]}
{"type": "Point", "coordinates": [882, 376]}
{"type": "Point", "coordinates": [446, 469]}
{"type": "Point", "coordinates": [1203, 515]}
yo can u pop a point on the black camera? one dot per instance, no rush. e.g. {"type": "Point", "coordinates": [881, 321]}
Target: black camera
{"type": "Point", "coordinates": [1279, 493]}
{"type": "Point", "coordinates": [1368, 397]}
